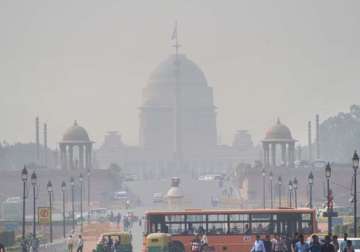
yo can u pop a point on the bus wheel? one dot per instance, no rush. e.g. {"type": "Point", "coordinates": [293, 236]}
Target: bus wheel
{"type": "Point", "coordinates": [176, 246]}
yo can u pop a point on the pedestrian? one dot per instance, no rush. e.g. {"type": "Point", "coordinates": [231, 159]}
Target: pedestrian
{"type": "Point", "coordinates": [70, 243]}
{"type": "Point", "coordinates": [2, 247]}
{"type": "Point", "coordinates": [327, 246]}
{"type": "Point", "coordinates": [301, 245]}
{"type": "Point", "coordinates": [116, 246]}
{"type": "Point", "coordinates": [267, 243]}
{"type": "Point", "coordinates": [118, 219]}
{"type": "Point", "coordinates": [80, 244]}
{"type": "Point", "coordinates": [343, 243]}
{"type": "Point", "coordinates": [275, 243]}
{"type": "Point", "coordinates": [294, 240]}
{"type": "Point", "coordinates": [109, 244]}
{"type": "Point", "coordinates": [204, 241]}
{"type": "Point", "coordinates": [335, 242]}
{"type": "Point", "coordinates": [315, 244]}
{"type": "Point", "coordinates": [196, 244]}
{"type": "Point", "coordinates": [349, 247]}
{"type": "Point", "coordinates": [258, 245]}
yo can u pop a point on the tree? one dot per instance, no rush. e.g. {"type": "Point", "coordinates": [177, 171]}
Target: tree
{"type": "Point", "coordinates": [340, 135]}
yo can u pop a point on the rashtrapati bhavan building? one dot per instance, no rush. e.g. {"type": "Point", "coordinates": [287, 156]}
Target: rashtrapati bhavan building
{"type": "Point", "coordinates": [177, 122]}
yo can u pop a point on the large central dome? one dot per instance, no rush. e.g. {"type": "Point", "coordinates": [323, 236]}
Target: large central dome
{"type": "Point", "coordinates": [180, 68]}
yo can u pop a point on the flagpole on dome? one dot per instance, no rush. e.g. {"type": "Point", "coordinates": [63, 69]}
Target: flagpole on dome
{"type": "Point", "coordinates": [174, 36]}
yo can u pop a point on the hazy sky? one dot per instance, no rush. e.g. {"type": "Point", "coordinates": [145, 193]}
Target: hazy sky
{"type": "Point", "coordinates": [89, 60]}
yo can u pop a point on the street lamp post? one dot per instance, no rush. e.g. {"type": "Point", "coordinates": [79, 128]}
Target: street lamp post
{"type": "Point", "coordinates": [290, 193]}
{"type": "Point", "coordinates": [279, 183]}
{"type": "Point", "coordinates": [329, 208]}
{"type": "Point", "coordinates": [34, 184]}
{"type": "Point", "coordinates": [88, 196]}
{"type": "Point", "coordinates": [295, 186]}
{"type": "Point", "coordinates": [72, 184]}
{"type": "Point", "coordinates": [50, 191]}
{"type": "Point", "coordinates": [311, 182]}
{"type": "Point", "coordinates": [81, 179]}
{"type": "Point", "coordinates": [263, 175]}
{"type": "Point", "coordinates": [24, 178]}
{"type": "Point", "coordinates": [355, 160]}
{"type": "Point", "coordinates": [63, 188]}
{"type": "Point", "coordinates": [271, 189]}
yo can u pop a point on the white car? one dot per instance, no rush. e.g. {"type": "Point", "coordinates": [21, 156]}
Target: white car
{"type": "Point", "coordinates": [157, 198]}
{"type": "Point", "coordinates": [121, 195]}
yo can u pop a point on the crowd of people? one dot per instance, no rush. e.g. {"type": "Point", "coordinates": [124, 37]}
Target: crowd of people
{"type": "Point", "coordinates": [298, 244]}
{"type": "Point", "coordinates": [111, 244]}
{"type": "Point", "coordinates": [75, 245]}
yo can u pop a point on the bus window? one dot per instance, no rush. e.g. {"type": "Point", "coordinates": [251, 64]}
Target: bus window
{"type": "Point", "coordinates": [217, 217]}
{"type": "Point", "coordinates": [176, 228]}
{"type": "Point", "coordinates": [174, 218]}
{"type": "Point", "coordinates": [261, 223]}
{"type": "Point", "coordinates": [195, 223]}
{"type": "Point", "coordinates": [217, 228]}
{"type": "Point", "coordinates": [306, 224]}
{"type": "Point", "coordinates": [239, 224]}
{"type": "Point", "coordinates": [217, 224]}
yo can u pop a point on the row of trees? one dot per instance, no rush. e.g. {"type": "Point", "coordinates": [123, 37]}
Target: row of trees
{"type": "Point", "coordinates": [340, 135]}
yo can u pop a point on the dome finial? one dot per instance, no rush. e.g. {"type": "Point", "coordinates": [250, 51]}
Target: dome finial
{"type": "Point", "coordinates": [75, 123]}
{"type": "Point", "coordinates": [278, 120]}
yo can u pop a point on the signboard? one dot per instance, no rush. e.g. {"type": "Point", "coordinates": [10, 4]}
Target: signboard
{"type": "Point", "coordinates": [10, 227]}
{"type": "Point", "coordinates": [44, 215]}
{"type": "Point", "coordinates": [332, 214]}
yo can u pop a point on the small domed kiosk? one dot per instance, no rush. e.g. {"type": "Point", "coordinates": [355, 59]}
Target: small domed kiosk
{"type": "Point", "coordinates": [279, 134]}
{"type": "Point", "coordinates": [75, 137]}
{"type": "Point", "coordinates": [175, 195]}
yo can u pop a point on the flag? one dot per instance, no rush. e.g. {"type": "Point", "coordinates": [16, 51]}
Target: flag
{"type": "Point", "coordinates": [174, 34]}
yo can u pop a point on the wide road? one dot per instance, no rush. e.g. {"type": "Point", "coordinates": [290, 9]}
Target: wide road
{"type": "Point", "coordinates": [197, 194]}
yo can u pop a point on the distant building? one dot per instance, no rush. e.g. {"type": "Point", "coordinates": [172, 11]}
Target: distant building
{"type": "Point", "coordinates": [177, 121]}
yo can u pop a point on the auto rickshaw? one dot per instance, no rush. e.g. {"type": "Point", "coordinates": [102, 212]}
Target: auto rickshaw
{"type": "Point", "coordinates": [124, 239]}
{"type": "Point", "coordinates": [158, 242]}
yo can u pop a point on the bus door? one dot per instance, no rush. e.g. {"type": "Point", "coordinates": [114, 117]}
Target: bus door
{"type": "Point", "coordinates": [288, 224]}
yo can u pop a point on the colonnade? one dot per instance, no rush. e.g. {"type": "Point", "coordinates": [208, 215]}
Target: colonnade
{"type": "Point", "coordinates": [287, 153]}
{"type": "Point", "coordinates": [67, 155]}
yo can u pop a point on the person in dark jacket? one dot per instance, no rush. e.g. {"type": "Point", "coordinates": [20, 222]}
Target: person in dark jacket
{"type": "Point", "coordinates": [327, 246]}
{"type": "Point", "coordinates": [267, 243]}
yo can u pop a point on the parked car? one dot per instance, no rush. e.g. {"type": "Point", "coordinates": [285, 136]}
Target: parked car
{"type": "Point", "coordinates": [121, 195]}
{"type": "Point", "coordinates": [158, 198]}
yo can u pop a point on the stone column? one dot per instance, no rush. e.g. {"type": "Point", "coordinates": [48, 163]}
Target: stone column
{"type": "Point", "coordinates": [81, 156]}
{"type": "Point", "coordinates": [88, 156]}
{"type": "Point", "coordinates": [273, 154]}
{"type": "Point", "coordinates": [283, 153]}
{"type": "Point", "coordinates": [63, 159]}
{"type": "Point", "coordinates": [266, 155]}
{"type": "Point", "coordinates": [71, 157]}
{"type": "Point", "coordinates": [291, 153]}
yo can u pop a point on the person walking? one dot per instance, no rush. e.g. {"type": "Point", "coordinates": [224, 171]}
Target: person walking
{"type": "Point", "coordinates": [267, 243]}
{"type": "Point", "coordinates": [301, 245]}
{"type": "Point", "coordinates": [109, 244]}
{"type": "Point", "coordinates": [349, 247]}
{"type": "Point", "coordinates": [80, 244]}
{"type": "Point", "coordinates": [258, 245]}
{"type": "Point", "coordinates": [196, 244]}
{"type": "Point", "coordinates": [70, 243]}
{"type": "Point", "coordinates": [116, 246]}
{"type": "Point", "coordinates": [278, 244]}
{"type": "Point", "coordinates": [327, 246]}
{"type": "Point", "coordinates": [315, 244]}
{"type": "Point", "coordinates": [2, 247]}
{"type": "Point", "coordinates": [335, 242]}
{"type": "Point", "coordinates": [343, 243]}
